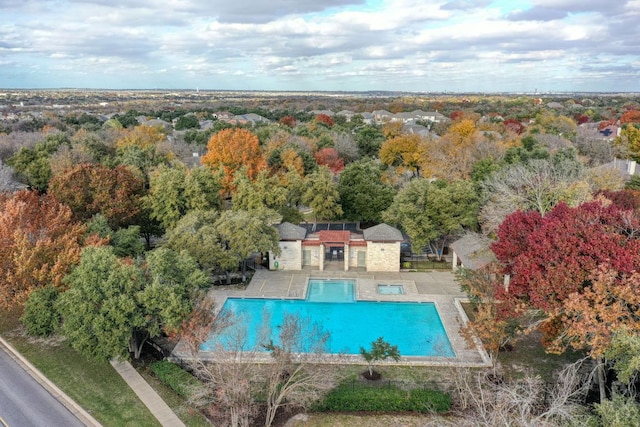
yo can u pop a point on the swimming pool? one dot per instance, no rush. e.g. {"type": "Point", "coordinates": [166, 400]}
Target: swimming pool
{"type": "Point", "coordinates": [384, 289]}
{"type": "Point", "coordinates": [414, 327]}
{"type": "Point", "coordinates": [323, 290]}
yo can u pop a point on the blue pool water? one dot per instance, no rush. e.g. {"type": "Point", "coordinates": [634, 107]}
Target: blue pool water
{"type": "Point", "coordinates": [415, 328]}
{"type": "Point", "coordinates": [320, 290]}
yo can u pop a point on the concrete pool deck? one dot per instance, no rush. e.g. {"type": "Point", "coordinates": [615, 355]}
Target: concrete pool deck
{"type": "Point", "coordinates": [437, 287]}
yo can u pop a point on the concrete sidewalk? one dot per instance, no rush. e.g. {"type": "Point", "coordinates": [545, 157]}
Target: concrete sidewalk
{"type": "Point", "coordinates": [148, 395]}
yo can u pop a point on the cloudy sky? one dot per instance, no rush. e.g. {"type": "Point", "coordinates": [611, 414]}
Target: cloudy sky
{"type": "Point", "coordinates": [350, 45]}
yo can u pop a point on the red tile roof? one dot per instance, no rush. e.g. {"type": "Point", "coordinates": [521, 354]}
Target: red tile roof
{"type": "Point", "coordinates": [333, 236]}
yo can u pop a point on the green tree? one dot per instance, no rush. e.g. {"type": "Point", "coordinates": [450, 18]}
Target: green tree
{"type": "Point", "coordinates": [265, 192]}
{"type": "Point", "coordinates": [363, 195]}
{"type": "Point", "coordinates": [244, 233]}
{"type": "Point", "coordinates": [188, 121]}
{"type": "Point", "coordinates": [40, 317]}
{"type": "Point", "coordinates": [432, 212]}
{"type": "Point", "coordinates": [196, 234]}
{"type": "Point", "coordinates": [380, 350]}
{"type": "Point", "coordinates": [125, 241]}
{"type": "Point", "coordinates": [322, 194]}
{"type": "Point", "coordinates": [369, 139]}
{"type": "Point", "coordinates": [113, 306]}
{"type": "Point", "coordinates": [175, 191]}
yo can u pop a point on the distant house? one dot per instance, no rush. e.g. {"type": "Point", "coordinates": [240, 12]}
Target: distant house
{"type": "Point", "coordinates": [374, 249]}
{"type": "Point", "coordinates": [250, 118]}
{"type": "Point", "coordinates": [381, 116]}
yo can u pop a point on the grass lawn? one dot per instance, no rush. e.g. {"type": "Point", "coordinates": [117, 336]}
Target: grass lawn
{"type": "Point", "coordinates": [529, 356]}
{"type": "Point", "coordinates": [95, 386]}
{"type": "Point", "coordinates": [376, 420]}
{"type": "Point", "coordinates": [178, 404]}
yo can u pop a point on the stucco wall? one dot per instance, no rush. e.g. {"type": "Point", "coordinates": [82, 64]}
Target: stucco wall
{"type": "Point", "coordinates": [383, 256]}
{"type": "Point", "coordinates": [290, 257]}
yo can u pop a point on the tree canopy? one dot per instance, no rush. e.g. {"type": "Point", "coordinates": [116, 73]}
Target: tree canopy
{"type": "Point", "coordinates": [431, 212]}
{"type": "Point", "coordinates": [40, 243]}
{"type": "Point", "coordinates": [232, 149]}
{"type": "Point", "coordinates": [363, 195]}
{"type": "Point", "coordinates": [113, 305]}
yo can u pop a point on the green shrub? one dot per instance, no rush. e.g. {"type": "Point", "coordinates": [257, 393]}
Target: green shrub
{"type": "Point", "coordinates": [179, 380]}
{"type": "Point", "coordinates": [40, 318]}
{"type": "Point", "coordinates": [357, 397]}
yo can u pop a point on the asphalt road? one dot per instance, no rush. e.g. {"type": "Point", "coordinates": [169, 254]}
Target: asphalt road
{"type": "Point", "coordinates": [25, 403]}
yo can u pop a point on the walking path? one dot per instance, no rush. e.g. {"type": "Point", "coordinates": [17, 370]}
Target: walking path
{"type": "Point", "coordinates": [148, 395]}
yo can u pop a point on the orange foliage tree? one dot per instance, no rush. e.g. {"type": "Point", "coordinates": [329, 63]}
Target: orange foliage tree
{"type": "Point", "coordinates": [89, 189]}
{"type": "Point", "coordinates": [407, 152]}
{"type": "Point", "coordinates": [590, 318]}
{"type": "Point", "coordinates": [231, 149]}
{"type": "Point", "coordinates": [631, 116]}
{"type": "Point", "coordinates": [39, 243]}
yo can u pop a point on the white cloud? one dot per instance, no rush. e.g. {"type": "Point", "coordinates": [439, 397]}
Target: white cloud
{"type": "Point", "coordinates": [345, 44]}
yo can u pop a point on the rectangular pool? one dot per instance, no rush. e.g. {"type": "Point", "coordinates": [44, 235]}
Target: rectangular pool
{"type": "Point", "coordinates": [414, 327]}
{"type": "Point", "coordinates": [384, 289]}
{"type": "Point", "coordinates": [328, 290]}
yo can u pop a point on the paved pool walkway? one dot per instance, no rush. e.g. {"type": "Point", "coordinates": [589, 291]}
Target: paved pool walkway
{"type": "Point", "coordinates": [439, 287]}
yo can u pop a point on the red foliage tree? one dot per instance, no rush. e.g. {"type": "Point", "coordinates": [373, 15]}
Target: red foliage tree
{"type": "Point", "coordinates": [289, 121]}
{"type": "Point", "coordinates": [551, 257]}
{"type": "Point", "coordinates": [514, 126]}
{"type": "Point", "coordinates": [330, 158]}
{"type": "Point", "coordinates": [582, 119]}
{"type": "Point", "coordinates": [325, 119]}
{"type": "Point", "coordinates": [456, 115]}
{"type": "Point", "coordinates": [623, 199]}
{"type": "Point", "coordinates": [89, 189]}
{"type": "Point", "coordinates": [39, 243]}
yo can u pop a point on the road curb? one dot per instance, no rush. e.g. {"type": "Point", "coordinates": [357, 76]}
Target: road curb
{"type": "Point", "coordinates": [58, 394]}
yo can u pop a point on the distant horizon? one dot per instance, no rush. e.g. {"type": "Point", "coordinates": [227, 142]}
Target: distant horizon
{"type": "Point", "coordinates": [444, 46]}
{"type": "Point", "coordinates": [389, 91]}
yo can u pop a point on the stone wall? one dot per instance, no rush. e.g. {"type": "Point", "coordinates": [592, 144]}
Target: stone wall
{"type": "Point", "coordinates": [383, 256]}
{"type": "Point", "coordinates": [290, 257]}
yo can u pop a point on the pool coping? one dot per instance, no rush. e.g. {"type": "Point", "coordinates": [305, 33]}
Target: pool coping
{"type": "Point", "coordinates": [449, 308]}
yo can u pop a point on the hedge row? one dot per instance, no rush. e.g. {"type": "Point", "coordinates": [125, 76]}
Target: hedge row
{"type": "Point", "coordinates": [356, 397]}
{"type": "Point", "coordinates": [181, 381]}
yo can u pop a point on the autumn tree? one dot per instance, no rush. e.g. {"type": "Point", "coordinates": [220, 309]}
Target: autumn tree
{"type": "Point", "coordinates": [432, 212]}
{"type": "Point", "coordinates": [324, 119]}
{"type": "Point", "coordinates": [288, 121]}
{"type": "Point", "coordinates": [363, 195]}
{"type": "Point", "coordinates": [406, 152]}
{"type": "Point", "coordinates": [89, 189]}
{"type": "Point", "coordinates": [40, 244]}
{"type": "Point", "coordinates": [553, 263]}
{"type": "Point", "coordinates": [232, 149]}
{"type": "Point", "coordinates": [629, 142]}
{"type": "Point", "coordinates": [630, 116]}
{"type": "Point", "coordinates": [330, 158]}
